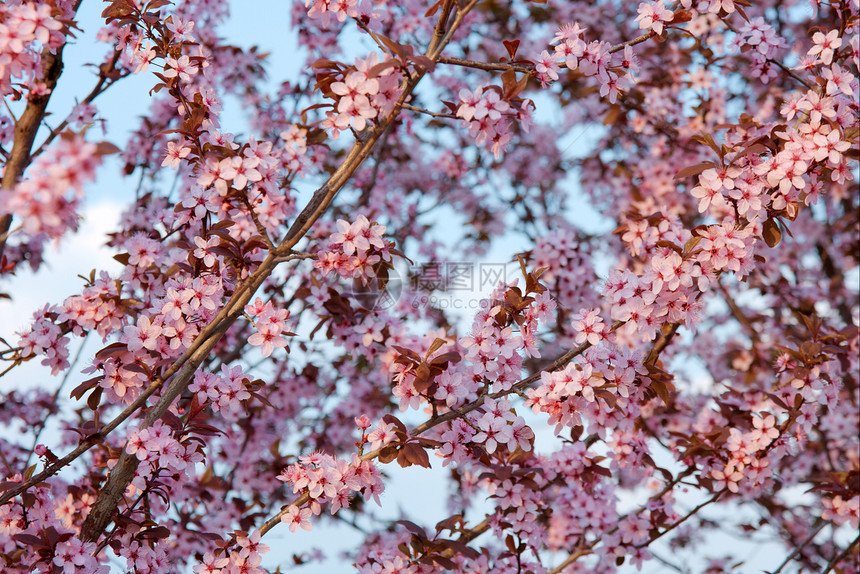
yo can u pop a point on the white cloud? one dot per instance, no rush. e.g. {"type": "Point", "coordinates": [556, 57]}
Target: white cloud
{"type": "Point", "coordinates": [57, 279]}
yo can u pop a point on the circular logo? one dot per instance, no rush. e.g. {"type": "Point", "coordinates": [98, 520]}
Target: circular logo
{"type": "Point", "coordinates": [379, 293]}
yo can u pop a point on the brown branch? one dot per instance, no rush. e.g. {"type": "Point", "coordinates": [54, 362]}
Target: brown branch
{"type": "Point", "coordinates": [261, 229]}
{"type": "Point", "coordinates": [800, 547]}
{"type": "Point", "coordinates": [428, 112]}
{"type": "Point", "coordinates": [689, 515]}
{"type": "Point", "coordinates": [667, 333]}
{"type": "Point", "coordinates": [487, 66]}
{"type": "Point", "coordinates": [637, 40]}
{"type": "Point", "coordinates": [841, 556]}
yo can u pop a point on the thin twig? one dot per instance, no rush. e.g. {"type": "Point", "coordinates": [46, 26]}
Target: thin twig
{"type": "Point", "coordinates": [487, 66]}
{"type": "Point", "coordinates": [257, 223]}
{"type": "Point", "coordinates": [841, 556]}
{"type": "Point", "coordinates": [800, 547]}
{"type": "Point", "coordinates": [665, 562]}
{"type": "Point", "coordinates": [428, 112]}
{"type": "Point", "coordinates": [55, 397]}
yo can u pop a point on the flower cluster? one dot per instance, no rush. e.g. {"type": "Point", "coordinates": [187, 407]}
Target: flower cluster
{"type": "Point", "coordinates": [25, 29]}
{"type": "Point", "coordinates": [499, 426]}
{"type": "Point", "coordinates": [246, 558]}
{"type": "Point", "coordinates": [76, 557]}
{"type": "Point", "coordinates": [369, 90]}
{"type": "Point", "coordinates": [45, 337]}
{"type": "Point", "coordinates": [355, 250]}
{"type": "Point", "coordinates": [486, 115]}
{"type": "Point", "coordinates": [653, 15]}
{"type": "Point", "coordinates": [236, 172]}
{"type": "Point", "coordinates": [614, 73]}
{"type": "Point", "coordinates": [185, 305]}
{"type": "Point", "coordinates": [329, 479]}
{"type": "Point", "coordinates": [842, 510]}
{"type": "Point", "coordinates": [225, 391]}
{"type": "Point", "coordinates": [271, 325]}
{"type": "Point", "coordinates": [157, 448]}
{"type": "Point", "coordinates": [94, 309]}
{"type": "Point", "coordinates": [746, 467]}
{"type": "Point", "coordinates": [329, 10]}
{"type": "Point", "coordinates": [42, 200]}
{"type": "Point", "coordinates": [762, 44]}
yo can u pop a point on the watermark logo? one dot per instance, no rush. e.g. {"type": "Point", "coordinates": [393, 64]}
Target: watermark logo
{"type": "Point", "coordinates": [458, 276]}
{"type": "Point", "coordinates": [454, 285]}
{"type": "Point", "coordinates": [377, 294]}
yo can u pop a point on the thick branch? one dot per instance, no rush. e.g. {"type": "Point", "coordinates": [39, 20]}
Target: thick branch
{"type": "Point", "coordinates": [122, 474]}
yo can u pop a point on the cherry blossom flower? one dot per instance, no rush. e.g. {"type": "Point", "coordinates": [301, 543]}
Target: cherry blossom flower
{"type": "Point", "coordinates": [652, 16]}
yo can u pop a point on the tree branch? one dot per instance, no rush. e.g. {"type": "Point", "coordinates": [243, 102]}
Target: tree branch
{"type": "Point", "coordinates": [841, 556]}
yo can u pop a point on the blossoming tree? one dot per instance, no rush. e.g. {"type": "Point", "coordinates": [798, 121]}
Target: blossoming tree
{"type": "Point", "coordinates": [258, 371]}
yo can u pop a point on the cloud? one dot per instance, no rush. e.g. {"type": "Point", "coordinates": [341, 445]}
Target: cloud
{"type": "Point", "coordinates": [58, 278]}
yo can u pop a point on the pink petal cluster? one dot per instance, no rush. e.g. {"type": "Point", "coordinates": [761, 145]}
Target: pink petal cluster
{"type": "Point", "coordinates": [329, 480]}
{"type": "Point", "coordinates": [271, 325]}
{"type": "Point", "coordinates": [363, 94]}
{"type": "Point", "coordinates": [354, 250]}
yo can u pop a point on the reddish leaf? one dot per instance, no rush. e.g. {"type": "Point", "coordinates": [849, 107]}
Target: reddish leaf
{"type": "Point", "coordinates": [511, 46]}
{"type": "Point", "coordinates": [770, 232]}
{"type": "Point", "coordinates": [106, 148]}
{"type": "Point", "coordinates": [393, 420]}
{"type": "Point", "coordinates": [413, 528]}
{"type": "Point", "coordinates": [156, 533]}
{"type": "Point", "coordinates": [30, 540]}
{"type": "Point", "coordinates": [432, 10]}
{"type": "Point", "coordinates": [445, 563]}
{"type": "Point", "coordinates": [442, 360]}
{"type": "Point", "coordinates": [414, 454]}
{"type": "Point", "coordinates": [694, 169]}
{"type": "Point", "coordinates": [423, 380]}
{"type": "Point", "coordinates": [95, 398]}
{"type": "Point", "coordinates": [435, 346]}
{"type": "Point", "coordinates": [79, 391]}
{"type": "Point", "coordinates": [612, 115]}
{"type": "Point", "coordinates": [708, 140]}
{"type": "Point", "coordinates": [387, 454]}
{"type": "Point", "coordinates": [681, 16]}
{"type": "Point", "coordinates": [607, 396]}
